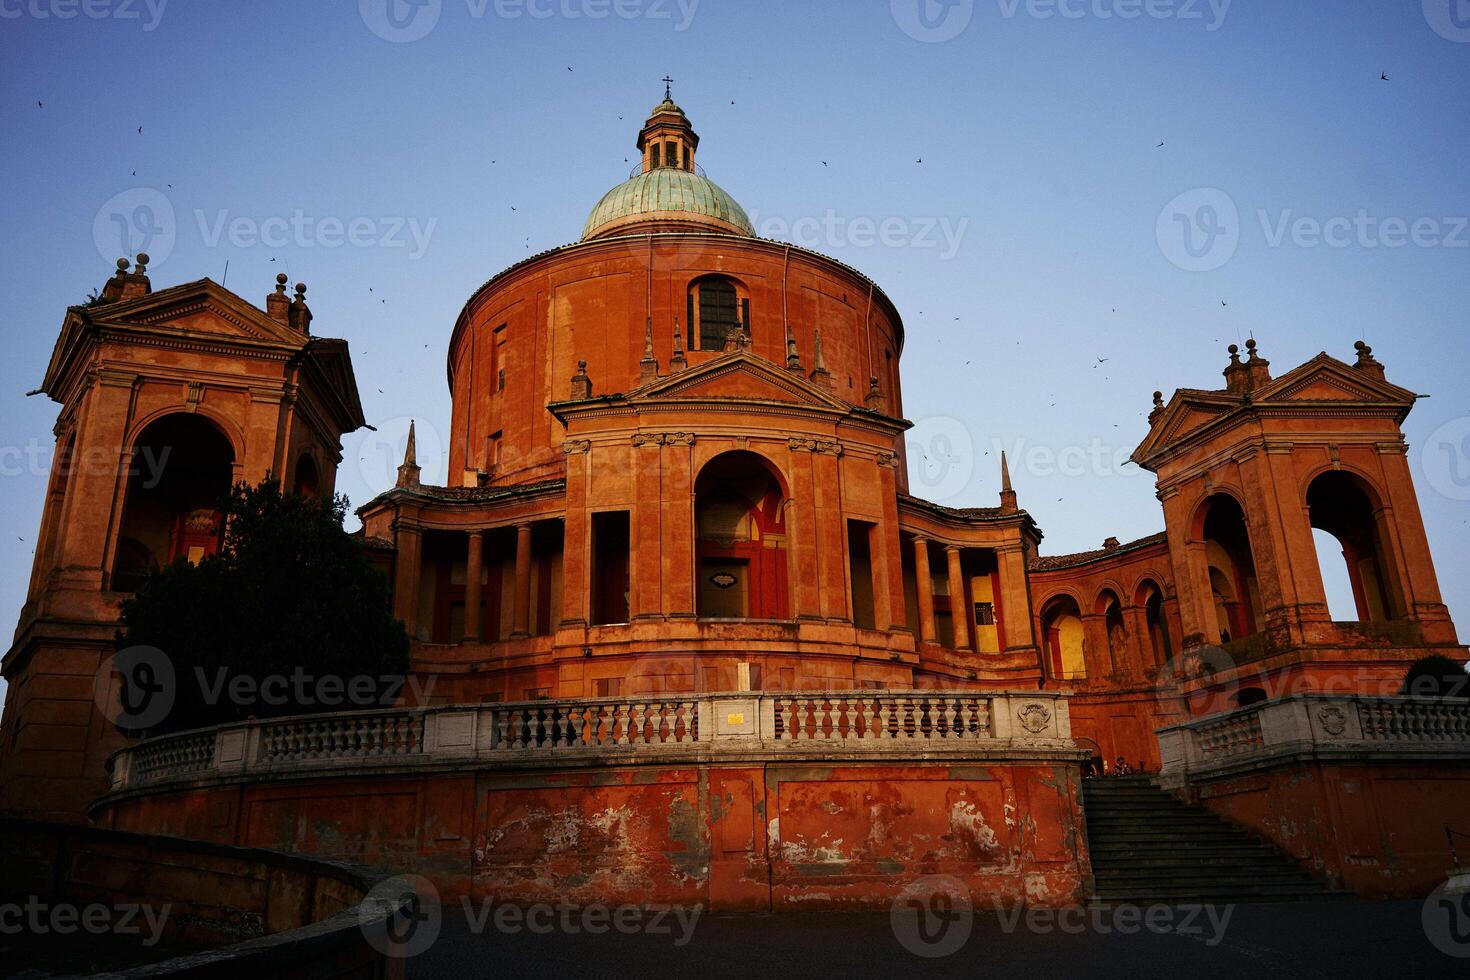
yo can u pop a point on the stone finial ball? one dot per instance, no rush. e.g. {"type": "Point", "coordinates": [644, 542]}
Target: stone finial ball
{"type": "Point", "coordinates": [1250, 344]}
{"type": "Point", "coordinates": [1234, 348]}
{"type": "Point", "coordinates": [1359, 346]}
{"type": "Point", "coordinates": [122, 265]}
{"type": "Point", "coordinates": [301, 287]}
{"type": "Point", "coordinates": [281, 278]}
{"type": "Point", "coordinates": [143, 258]}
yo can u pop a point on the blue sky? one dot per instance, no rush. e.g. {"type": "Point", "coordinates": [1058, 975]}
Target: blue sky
{"type": "Point", "coordinates": [1033, 239]}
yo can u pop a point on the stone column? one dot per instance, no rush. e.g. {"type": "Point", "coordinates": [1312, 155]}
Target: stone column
{"type": "Point", "coordinates": [1095, 648]}
{"type": "Point", "coordinates": [926, 589]}
{"type": "Point", "coordinates": [958, 613]}
{"type": "Point", "coordinates": [645, 574]}
{"type": "Point", "coordinates": [407, 539]}
{"type": "Point", "coordinates": [1016, 622]}
{"type": "Point", "coordinates": [474, 569]}
{"type": "Point", "coordinates": [575, 555]}
{"type": "Point", "coordinates": [888, 554]}
{"type": "Point", "coordinates": [98, 485]}
{"type": "Point", "coordinates": [522, 611]}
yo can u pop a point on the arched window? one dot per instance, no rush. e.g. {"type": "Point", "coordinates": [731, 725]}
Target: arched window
{"type": "Point", "coordinates": [179, 476]}
{"type": "Point", "coordinates": [308, 479]}
{"type": "Point", "coordinates": [1160, 644]}
{"type": "Point", "coordinates": [1235, 598]}
{"type": "Point", "coordinates": [740, 555]}
{"type": "Point", "coordinates": [1061, 630]}
{"type": "Point", "coordinates": [1112, 611]}
{"type": "Point", "coordinates": [716, 308]}
{"type": "Point", "coordinates": [1339, 507]}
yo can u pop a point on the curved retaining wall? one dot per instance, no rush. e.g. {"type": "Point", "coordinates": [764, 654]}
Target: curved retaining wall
{"type": "Point", "coordinates": [731, 801]}
{"type": "Point", "coordinates": [240, 912]}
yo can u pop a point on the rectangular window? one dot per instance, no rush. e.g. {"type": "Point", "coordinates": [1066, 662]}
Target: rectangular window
{"type": "Point", "coordinates": [860, 570]}
{"type": "Point", "coordinates": [984, 614]}
{"type": "Point", "coordinates": [656, 157]}
{"type": "Point", "coordinates": [609, 687]}
{"type": "Point", "coordinates": [499, 355]}
{"type": "Point", "coordinates": [610, 554]}
{"type": "Point", "coordinates": [538, 694]}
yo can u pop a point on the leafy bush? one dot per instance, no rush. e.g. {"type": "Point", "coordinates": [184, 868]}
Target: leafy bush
{"type": "Point", "coordinates": [290, 617]}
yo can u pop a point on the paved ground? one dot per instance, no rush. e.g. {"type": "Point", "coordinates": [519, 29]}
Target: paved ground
{"type": "Point", "coordinates": [1333, 940]}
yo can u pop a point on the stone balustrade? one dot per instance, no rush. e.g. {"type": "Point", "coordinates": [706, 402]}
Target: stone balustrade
{"type": "Point", "coordinates": [1324, 727]}
{"type": "Point", "coordinates": [883, 726]}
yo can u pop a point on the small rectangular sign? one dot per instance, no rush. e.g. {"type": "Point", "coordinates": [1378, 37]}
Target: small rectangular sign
{"type": "Point", "coordinates": [735, 719]}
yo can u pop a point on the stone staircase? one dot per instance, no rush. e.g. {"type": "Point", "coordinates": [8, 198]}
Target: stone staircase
{"type": "Point", "coordinates": [1148, 847]}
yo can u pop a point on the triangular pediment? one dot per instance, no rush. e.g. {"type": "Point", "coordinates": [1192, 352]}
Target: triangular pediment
{"type": "Point", "coordinates": [200, 309]}
{"type": "Point", "coordinates": [738, 376]}
{"type": "Point", "coordinates": [1326, 379]}
{"type": "Point", "coordinates": [1187, 412]}
{"type": "Point", "coordinates": [193, 313]}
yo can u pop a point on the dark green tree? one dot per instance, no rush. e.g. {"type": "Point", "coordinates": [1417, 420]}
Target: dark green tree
{"type": "Point", "coordinates": [1437, 677]}
{"type": "Point", "coordinates": [290, 617]}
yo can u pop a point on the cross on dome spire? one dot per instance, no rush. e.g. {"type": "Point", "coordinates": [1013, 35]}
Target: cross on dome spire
{"type": "Point", "coordinates": [668, 89]}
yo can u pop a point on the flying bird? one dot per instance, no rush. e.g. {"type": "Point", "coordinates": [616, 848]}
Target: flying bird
{"type": "Point", "coordinates": [1160, 145]}
{"type": "Point", "coordinates": [1383, 77]}
{"type": "Point", "coordinates": [140, 130]}
{"type": "Point", "coordinates": [40, 106]}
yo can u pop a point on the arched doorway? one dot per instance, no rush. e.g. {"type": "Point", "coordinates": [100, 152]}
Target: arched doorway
{"type": "Point", "coordinates": [1061, 631]}
{"type": "Point", "coordinates": [1339, 505]}
{"type": "Point", "coordinates": [1234, 592]}
{"type": "Point", "coordinates": [740, 548]}
{"type": "Point", "coordinates": [180, 473]}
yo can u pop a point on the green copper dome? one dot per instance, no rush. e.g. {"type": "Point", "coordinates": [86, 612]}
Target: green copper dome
{"type": "Point", "coordinates": [667, 194]}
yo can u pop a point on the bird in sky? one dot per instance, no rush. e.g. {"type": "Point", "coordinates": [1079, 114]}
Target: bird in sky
{"type": "Point", "coordinates": [39, 105]}
{"type": "Point", "coordinates": [140, 130]}
{"type": "Point", "coordinates": [1383, 77]}
{"type": "Point", "coordinates": [1160, 145]}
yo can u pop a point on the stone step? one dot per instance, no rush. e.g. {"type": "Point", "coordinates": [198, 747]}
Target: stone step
{"type": "Point", "coordinates": [1148, 846]}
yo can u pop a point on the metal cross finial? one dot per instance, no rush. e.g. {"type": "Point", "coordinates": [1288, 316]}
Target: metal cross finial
{"type": "Point", "coordinates": [668, 89]}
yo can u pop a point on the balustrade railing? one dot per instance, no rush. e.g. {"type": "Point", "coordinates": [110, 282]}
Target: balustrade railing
{"type": "Point", "coordinates": [821, 724]}
{"type": "Point", "coordinates": [851, 717]}
{"type": "Point", "coordinates": [1321, 724]}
